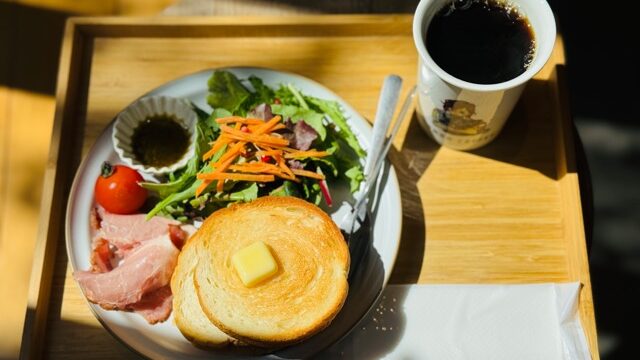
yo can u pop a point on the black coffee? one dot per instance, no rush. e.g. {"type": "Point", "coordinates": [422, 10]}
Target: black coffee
{"type": "Point", "coordinates": [481, 41]}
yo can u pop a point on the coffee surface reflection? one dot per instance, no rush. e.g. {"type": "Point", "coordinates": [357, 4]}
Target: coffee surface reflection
{"type": "Point", "coordinates": [481, 41]}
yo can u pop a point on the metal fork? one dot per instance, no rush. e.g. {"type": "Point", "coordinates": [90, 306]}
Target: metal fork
{"type": "Point", "coordinates": [381, 144]}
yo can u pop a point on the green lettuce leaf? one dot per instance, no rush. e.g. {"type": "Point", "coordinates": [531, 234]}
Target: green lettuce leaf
{"type": "Point", "coordinates": [188, 192]}
{"type": "Point", "coordinates": [355, 177]}
{"type": "Point", "coordinates": [174, 198]}
{"type": "Point", "coordinates": [288, 188]}
{"type": "Point", "coordinates": [248, 194]}
{"type": "Point", "coordinates": [311, 190]}
{"type": "Point", "coordinates": [165, 189]}
{"type": "Point", "coordinates": [328, 164]}
{"type": "Point", "coordinates": [226, 91]}
{"type": "Point", "coordinates": [262, 94]}
{"type": "Point", "coordinates": [210, 128]}
{"type": "Point", "coordinates": [289, 97]}
{"type": "Point", "coordinates": [332, 109]}
{"type": "Point", "coordinates": [298, 96]}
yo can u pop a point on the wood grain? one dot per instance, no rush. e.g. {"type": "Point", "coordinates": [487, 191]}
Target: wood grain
{"type": "Point", "coordinates": [100, 7]}
{"type": "Point", "coordinates": [70, 104]}
{"type": "Point", "coordinates": [507, 213]}
{"type": "Point", "coordinates": [30, 34]}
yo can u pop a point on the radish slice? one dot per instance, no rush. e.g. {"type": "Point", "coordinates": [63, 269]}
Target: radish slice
{"type": "Point", "coordinates": [325, 189]}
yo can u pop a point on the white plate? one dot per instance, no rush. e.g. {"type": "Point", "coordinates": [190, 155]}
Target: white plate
{"type": "Point", "coordinates": [165, 340]}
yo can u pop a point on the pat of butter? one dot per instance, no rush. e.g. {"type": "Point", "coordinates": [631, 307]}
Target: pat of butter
{"type": "Point", "coordinates": [254, 263]}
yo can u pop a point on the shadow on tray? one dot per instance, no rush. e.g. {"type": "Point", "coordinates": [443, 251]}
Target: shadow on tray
{"type": "Point", "coordinates": [410, 163]}
{"type": "Point", "coordinates": [527, 139]}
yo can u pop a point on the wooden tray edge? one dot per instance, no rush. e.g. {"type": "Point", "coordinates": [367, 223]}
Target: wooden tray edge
{"type": "Point", "coordinates": [63, 155]}
{"type": "Point", "coordinates": [578, 260]}
{"type": "Point", "coordinates": [201, 26]}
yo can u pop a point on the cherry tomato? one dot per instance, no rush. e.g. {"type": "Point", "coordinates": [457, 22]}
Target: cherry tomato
{"type": "Point", "coordinates": [117, 189]}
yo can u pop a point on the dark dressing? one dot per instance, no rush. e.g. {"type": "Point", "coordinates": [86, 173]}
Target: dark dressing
{"type": "Point", "coordinates": [481, 41]}
{"type": "Point", "coordinates": [160, 141]}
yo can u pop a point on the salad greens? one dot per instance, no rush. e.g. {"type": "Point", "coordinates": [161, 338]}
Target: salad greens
{"type": "Point", "coordinates": [309, 123]}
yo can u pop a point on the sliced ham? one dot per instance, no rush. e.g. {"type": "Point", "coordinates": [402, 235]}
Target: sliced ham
{"type": "Point", "coordinates": [146, 268]}
{"type": "Point", "coordinates": [126, 231]}
{"type": "Point", "coordinates": [132, 261]}
{"type": "Point", "coordinates": [155, 306]}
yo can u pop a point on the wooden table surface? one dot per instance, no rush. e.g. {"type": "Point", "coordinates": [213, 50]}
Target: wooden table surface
{"type": "Point", "coordinates": [16, 104]}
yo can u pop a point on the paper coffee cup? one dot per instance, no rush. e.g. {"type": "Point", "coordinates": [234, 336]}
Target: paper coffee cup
{"type": "Point", "coordinates": [463, 115]}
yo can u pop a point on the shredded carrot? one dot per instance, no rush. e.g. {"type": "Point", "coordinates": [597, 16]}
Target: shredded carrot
{"type": "Point", "coordinates": [258, 134]}
{"type": "Point", "coordinates": [220, 186]}
{"type": "Point", "coordinates": [219, 166]}
{"type": "Point", "coordinates": [222, 166]}
{"type": "Point", "coordinates": [304, 154]}
{"type": "Point", "coordinates": [308, 173]}
{"type": "Point", "coordinates": [257, 138]}
{"type": "Point", "coordinates": [268, 125]}
{"type": "Point", "coordinates": [236, 177]}
{"type": "Point", "coordinates": [285, 148]}
{"type": "Point", "coordinates": [274, 128]}
{"type": "Point", "coordinates": [284, 167]}
{"type": "Point", "coordinates": [217, 145]}
{"type": "Point", "coordinates": [232, 118]}
{"type": "Point", "coordinates": [266, 168]}
{"type": "Point", "coordinates": [260, 140]}
{"type": "Point", "coordinates": [203, 186]}
{"type": "Point", "coordinates": [255, 168]}
{"type": "Point", "coordinates": [278, 127]}
{"type": "Point", "coordinates": [269, 153]}
{"type": "Point", "coordinates": [287, 177]}
{"type": "Point", "coordinates": [232, 152]}
{"type": "Point", "coordinates": [208, 154]}
{"type": "Point", "coordinates": [222, 140]}
{"type": "Point", "coordinates": [239, 120]}
{"type": "Point", "coordinates": [254, 164]}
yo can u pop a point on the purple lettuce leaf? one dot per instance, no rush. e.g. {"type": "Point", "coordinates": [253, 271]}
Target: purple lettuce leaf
{"type": "Point", "coordinates": [300, 134]}
{"type": "Point", "coordinates": [262, 111]}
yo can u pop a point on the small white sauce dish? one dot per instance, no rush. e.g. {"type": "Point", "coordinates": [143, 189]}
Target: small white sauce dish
{"type": "Point", "coordinates": [154, 106]}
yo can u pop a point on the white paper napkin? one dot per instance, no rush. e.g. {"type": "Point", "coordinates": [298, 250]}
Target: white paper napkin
{"type": "Point", "coordinates": [443, 322]}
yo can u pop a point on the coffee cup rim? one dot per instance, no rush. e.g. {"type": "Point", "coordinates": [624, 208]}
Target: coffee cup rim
{"type": "Point", "coordinates": [541, 57]}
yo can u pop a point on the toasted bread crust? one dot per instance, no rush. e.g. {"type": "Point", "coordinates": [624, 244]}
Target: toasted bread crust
{"type": "Point", "coordinates": [187, 313]}
{"type": "Point", "coordinates": [301, 299]}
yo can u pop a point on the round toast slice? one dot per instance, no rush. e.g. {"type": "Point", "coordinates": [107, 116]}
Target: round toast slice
{"type": "Point", "coordinates": [304, 295]}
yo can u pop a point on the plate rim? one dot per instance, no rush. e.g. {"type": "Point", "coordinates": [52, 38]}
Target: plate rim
{"type": "Point", "coordinates": [81, 169]}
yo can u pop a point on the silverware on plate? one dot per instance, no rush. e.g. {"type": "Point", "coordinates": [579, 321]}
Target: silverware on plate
{"type": "Point", "coordinates": [359, 238]}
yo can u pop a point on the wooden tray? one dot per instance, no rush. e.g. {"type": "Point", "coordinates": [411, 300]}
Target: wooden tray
{"type": "Point", "coordinates": [507, 213]}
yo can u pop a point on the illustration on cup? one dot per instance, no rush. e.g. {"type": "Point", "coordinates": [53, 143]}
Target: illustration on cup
{"type": "Point", "coordinates": [456, 117]}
